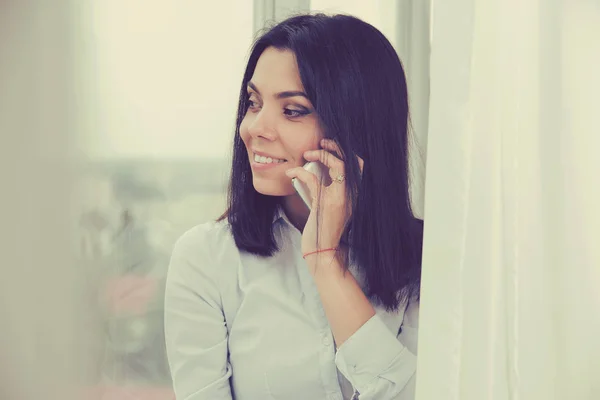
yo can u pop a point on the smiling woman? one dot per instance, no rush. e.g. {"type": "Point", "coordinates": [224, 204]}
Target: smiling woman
{"type": "Point", "coordinates": [276, 300]}
{"type": "Point", "coordinates": [280, 124]}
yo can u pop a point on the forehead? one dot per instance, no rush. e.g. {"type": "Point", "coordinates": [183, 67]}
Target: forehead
{"type": "Point", "coordinates": [277, 70]}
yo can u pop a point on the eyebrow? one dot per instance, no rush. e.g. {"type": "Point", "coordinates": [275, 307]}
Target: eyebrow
{"type": "Point", "coordinates": [280, 95]}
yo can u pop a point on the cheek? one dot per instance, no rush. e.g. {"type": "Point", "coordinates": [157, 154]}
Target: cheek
{"type": "Point", "coordinates": [307, 143]}
{"type": "Point", "coordinates": [302, 139]}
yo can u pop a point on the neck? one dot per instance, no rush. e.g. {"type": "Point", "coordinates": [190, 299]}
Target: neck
{"type": "Point", "coordinates": [296, 211]}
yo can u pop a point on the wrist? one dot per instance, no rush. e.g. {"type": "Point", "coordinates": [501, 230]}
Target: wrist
{"type": "Point", "coordinates": [319, 252]}
{"type": "Point", "coordinates": [321, 246]}
{"type": "Point", "coordinates": [324, 262]}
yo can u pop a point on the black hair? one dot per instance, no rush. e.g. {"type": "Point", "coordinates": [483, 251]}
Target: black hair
{"type": "Point", "coordinates": [356, 84]}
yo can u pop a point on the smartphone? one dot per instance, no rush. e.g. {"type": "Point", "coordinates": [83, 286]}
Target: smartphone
{"type": "Point", "coordinates": [317, 168]}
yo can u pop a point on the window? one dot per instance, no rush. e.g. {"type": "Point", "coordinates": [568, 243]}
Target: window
{"type": "Point", "coordinates": [166, 79]}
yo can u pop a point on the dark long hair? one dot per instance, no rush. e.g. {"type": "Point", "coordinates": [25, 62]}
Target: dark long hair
{"type": "Point", "coordinates": [355, 81]}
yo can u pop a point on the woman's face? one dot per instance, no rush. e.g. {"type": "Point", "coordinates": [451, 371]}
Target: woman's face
{"type": "Point", "coordinates": [280, 122]}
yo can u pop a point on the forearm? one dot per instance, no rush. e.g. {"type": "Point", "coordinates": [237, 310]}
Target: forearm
{"type": "Point", "coordinates": [346, 306]}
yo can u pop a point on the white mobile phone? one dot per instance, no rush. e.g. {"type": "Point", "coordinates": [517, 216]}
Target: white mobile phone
{"type": "Point", "coordinates": [317, 168]}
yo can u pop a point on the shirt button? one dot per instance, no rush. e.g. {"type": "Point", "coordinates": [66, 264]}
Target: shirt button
{"type": "Point", "coordinates": [326, 340]}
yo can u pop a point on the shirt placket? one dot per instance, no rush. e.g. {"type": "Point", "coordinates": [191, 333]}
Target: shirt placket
{"type": "Point", "coordinates": [313, 305]}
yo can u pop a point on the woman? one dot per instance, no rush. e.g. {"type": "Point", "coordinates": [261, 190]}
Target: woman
{"type": "Point", "coordinates": [259, 307]}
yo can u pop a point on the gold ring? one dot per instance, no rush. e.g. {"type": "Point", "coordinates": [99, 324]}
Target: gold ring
{"type": "Point", "coordinates": [340, 178]}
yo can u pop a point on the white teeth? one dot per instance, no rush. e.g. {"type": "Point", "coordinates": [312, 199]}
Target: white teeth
{"type": "Point", "coordinates": [266, 160]}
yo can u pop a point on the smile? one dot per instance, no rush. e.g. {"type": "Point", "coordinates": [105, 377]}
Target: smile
{"type": "Point", "coordinates": [267, 160]}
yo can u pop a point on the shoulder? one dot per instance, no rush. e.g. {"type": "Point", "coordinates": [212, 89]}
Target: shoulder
{"type": "Point", "coordinates": [205, 237]}
{"type": "Point", "coordinates": [201, 249]}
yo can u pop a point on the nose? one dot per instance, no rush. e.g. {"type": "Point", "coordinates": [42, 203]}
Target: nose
{"type": "Point", "coordinates": [262, 125]}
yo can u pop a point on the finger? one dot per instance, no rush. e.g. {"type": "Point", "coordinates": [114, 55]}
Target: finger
{"type": "Point", "coordinates": [331, 145]}
{"type": "Point", "coordinates": [326, 158]}
{"type": "Point", "coordinates": [306, 177]}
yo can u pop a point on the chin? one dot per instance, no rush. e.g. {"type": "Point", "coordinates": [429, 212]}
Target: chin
{"type": "Point", "coordinates": [274, 188]}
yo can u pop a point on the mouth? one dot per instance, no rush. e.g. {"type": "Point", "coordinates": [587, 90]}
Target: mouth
{"type": "Point", "coordinates": [262, 159]}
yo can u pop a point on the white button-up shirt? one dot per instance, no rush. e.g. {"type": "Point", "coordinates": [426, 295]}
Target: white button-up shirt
{"type": "Point", "coordinates": [240, 326]}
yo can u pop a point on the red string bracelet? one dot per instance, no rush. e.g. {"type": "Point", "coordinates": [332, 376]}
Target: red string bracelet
{"type": "Point", "coordinates": [319, 251]}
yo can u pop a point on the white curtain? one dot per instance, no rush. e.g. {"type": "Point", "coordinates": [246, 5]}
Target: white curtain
{"type": "Point", "coordinates": [510, 305]}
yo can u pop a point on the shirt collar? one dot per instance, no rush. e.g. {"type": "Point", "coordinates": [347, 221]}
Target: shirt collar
{"type": "Point", "coordinates": [280, 215]}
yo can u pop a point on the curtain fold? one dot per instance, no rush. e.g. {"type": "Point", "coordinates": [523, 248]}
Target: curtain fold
{"type": "Point", "coordinates": [511, 277]}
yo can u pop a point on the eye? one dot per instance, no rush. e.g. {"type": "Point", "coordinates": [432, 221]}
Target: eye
{"type": "Point", "coordinates": [252, 104]}
{"type": "Point", "coordinates": [295, 113]}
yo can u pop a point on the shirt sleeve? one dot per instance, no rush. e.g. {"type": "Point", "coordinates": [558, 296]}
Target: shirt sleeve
{"type": "Point", "coordinates": [195, 329]}
{"type": "Point", "coordinates": [379, 364]}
